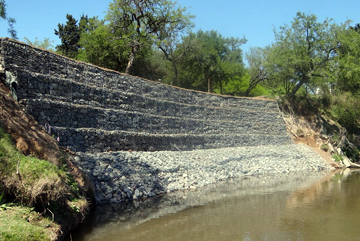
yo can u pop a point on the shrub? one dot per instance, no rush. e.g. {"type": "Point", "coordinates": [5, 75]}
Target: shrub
{"type": "Point", "coordinates": [337, 157]}
{"type": "Point", "coordinates": [346, 110]}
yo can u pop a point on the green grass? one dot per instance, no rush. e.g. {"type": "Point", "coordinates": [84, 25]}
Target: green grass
{"type": "Point", "coordinates": [21, 223]}
{"type": "Point", "coordinates": [337, 157]}
{"type": "Point", "coordinates": [29, 176]}
{"type": "Point", "coordinates": [29, 182]}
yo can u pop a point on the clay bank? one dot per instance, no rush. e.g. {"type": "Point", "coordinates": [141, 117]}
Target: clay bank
{"type": "Point", "coordinates": [137, 138]}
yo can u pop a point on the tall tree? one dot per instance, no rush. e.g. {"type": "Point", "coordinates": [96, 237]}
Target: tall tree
{"type": "Point", "coordinates": [102, 47]}
{"type": "Point", "coordinates": [347, 76]}
{"type": "Point", "coordinates": [212, 60]}
{"type": "Point", "coordinates": [170, 36]}
{"type": "Point", "coordinates": [304, 52]}
{"type": "Point", "coordinates": [258, 72]}
{"type": "Point", "coordinates": [11, 21]}
{"type": "Point", "coordinates": [70, 34]}
{"type": "Point", "coordinates": [142, 22]}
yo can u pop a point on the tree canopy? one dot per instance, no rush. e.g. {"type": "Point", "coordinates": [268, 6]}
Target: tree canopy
{"type": "Point", "coordinates": [70, 34]}
{"type": "Point", "coordinates": [142, 23]}
{"type": "Point", "coordinates": [347, 76]}
{"type": "Point", "coordinates": [210, 60]}
{"type": "Point", "coordinates": [303, 53]}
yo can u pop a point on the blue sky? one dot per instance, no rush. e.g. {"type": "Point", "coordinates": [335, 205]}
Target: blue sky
{"type": "Point", "coordinates": [254, 19]}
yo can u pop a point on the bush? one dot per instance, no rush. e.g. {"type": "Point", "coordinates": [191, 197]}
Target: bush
{"type": "Point", "coordinates": [325, 100]}
{"type": "Point", "coordinates": [346, 110]}
{"type": "Point", "coordinates": [304, 105]}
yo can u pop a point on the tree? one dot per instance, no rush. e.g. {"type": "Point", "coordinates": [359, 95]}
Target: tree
{"type": "Point", "coordinates": [70, 34]}
{"type": "Point", "coordinates": [210, 61]}
{"type": "Point", "coordinates": [258, 72]}
{"type": "Point", "coordinates": [347, 76]}
{"type": "Point", "coordinates": [170, 37]}
{"type": "Point", "coordinates": [70, 37]}
{"type": "Point", "coordinates": [303, 53]}
{"type": "Point", "coordinates": [102, 47]}
{"type": "Point", "coordinates": [11, 21]}
{"type": "Point", "coordinates": [142, 23]}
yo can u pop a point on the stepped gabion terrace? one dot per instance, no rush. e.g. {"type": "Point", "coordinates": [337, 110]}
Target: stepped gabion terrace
{"type": "Point", "coordinates": [137, 138]}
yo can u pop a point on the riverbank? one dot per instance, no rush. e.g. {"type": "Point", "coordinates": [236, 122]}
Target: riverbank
{"type": "Point", "coordinates": [42, 194]}
{"type": "Point", "coordinates": [121, 176]}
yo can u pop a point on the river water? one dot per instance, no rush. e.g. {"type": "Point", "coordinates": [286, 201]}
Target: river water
{"type": "Point", "coordinates": [292, 206]}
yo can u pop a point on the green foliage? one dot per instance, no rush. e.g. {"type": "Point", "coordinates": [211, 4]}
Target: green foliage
{"type": "Point", "coordinates": [346, 110]}
{"type": "Point", "coordinates": [32, 181]}
{"type": "Point", "coordinates": [335, 138]}
{"type": "Point", "coordinates": [210, 57]}
{"type": "Point", "coordinates": [72, 184]}
{"type": "Point", "coordinates": [71, 32]}
{"type": "Point", "coordinates": [238, 86]}
{"type": "Point", "coordinates": [152, 66]}
{"type": "Point", "coordinates": [348, 71]}
{"type": "Point", "coordinates": [69, 35]}
{"type": "Point", "coordinates": [337, 157]}
{"type": "Point", "coordinates": [100, 47]}
{"type": "Point", "coordinates": [45, 44]}
{"type": "Point", "coordinates": [258, 69]}
{"type": "Point", "coordinates": [141, 24]}
{"type": "Point", "coordinates": [303, 105]}
{"type": "Point", "coordinates": [304, 53]}
{"type": "Point", "coordinates": [75, 208]}
{"type": "Point", "coordinates": [352, 152]}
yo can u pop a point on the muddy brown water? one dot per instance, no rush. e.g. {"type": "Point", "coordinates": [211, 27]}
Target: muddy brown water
{"type": "Point", "coordinates": [293, 206]}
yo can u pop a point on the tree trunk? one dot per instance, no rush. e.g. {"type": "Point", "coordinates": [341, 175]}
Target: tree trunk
{"type": "Point", "coordinates": [221, 89]}
{"type": "Point", "coordinates": [130, 63]}
{"type": "Point", "coordinates": [247, 92]}
{"type": "Point", "coordinates": [296, 88]}
{"type": "Point", "coordinates": [209, 86]}
{"type": "Point", "coordinates": [175, 78]}
{"type": "Point", "coordinates": [134, 49]}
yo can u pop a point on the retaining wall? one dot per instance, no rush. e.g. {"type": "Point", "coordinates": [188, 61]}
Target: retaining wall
{"type": "Point", "coordinates": [95, 110]}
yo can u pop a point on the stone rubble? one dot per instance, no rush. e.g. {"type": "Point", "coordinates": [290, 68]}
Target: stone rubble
{"type": "Point", "coordinates": [121, 176]}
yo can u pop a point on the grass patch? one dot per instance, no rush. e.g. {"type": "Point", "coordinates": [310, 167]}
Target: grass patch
{"type": "Point", "coordinates": [337, 157]}
{"type": "Point", "coordinates": [47, 196]}
{"type": "Point", "coordinates": [31, 180]}
{"type": "Point", "coordinates": [21, 223]}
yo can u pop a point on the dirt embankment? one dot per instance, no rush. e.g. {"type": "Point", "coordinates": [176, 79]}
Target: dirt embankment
{"type": "Point", "coordinates": [311, 132]}
{"type": "Point", "coordinates": [29, 137]}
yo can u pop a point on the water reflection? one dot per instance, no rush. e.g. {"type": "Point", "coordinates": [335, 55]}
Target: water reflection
{"type": "Point", "coordinates": [295, 206]}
